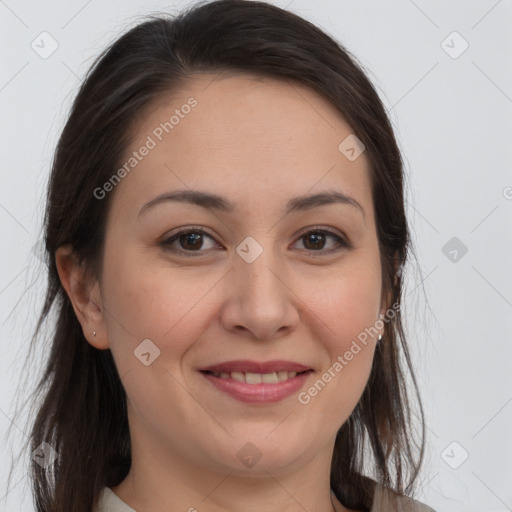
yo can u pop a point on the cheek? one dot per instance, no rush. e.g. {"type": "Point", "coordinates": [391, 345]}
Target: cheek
{"type": "Point", "coordinates": [148, 301]}
{"type": "Point", "coordinates": [346, 316]}
{"type": "Point", "coordinates": [348, 303]}
{"type": "Point", "coordinates": [346, 309]}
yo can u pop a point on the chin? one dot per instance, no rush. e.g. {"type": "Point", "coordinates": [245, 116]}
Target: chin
{"type": "Point", "coordinates": [253, 455]}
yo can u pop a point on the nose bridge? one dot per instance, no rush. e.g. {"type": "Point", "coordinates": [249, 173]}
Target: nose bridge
{"type": "Point", "coordinates": [260, 297]}
{"type": "Point", "coordinates": [258, 269]}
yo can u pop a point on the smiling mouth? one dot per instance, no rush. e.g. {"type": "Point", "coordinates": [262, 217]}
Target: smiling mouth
{"type": "Point", "coordinates": [258, 388]}
{"type": "Point", "coordinates": [257, 378]}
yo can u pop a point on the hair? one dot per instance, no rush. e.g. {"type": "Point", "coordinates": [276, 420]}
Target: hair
{"type": "Point", "coordinates": [82, 410]}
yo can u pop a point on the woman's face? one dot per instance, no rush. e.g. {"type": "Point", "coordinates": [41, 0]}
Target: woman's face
{"type": "Point", "coordinates": [260, 281]}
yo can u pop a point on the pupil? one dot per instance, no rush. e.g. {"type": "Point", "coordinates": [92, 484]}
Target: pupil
{"type": "Point", "coordinates": [194, 237]}
{"type": "Point", "coordinates": [316, 238]}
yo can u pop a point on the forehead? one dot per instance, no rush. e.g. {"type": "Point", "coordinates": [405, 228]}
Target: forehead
{"type": "Point", "coordinates": [245, 137]}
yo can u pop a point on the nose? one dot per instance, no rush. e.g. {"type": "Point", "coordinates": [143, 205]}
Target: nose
{"type": "Point", "coordinates": [260, 303]}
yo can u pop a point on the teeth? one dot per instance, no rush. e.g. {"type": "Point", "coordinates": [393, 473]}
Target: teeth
{"type": "Point", "coordinates": [253, 378]}
{"type": "Point", "coordinates": [257, 378]}
{"type": "Point", "coordinates": [240, 377]}
{"type": "Point", "coordinates": [281, 376]}
{"type": "Point", "coordinates": [269, 378]}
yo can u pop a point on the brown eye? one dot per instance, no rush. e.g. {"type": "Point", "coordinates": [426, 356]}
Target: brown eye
{"type": "Point", "coordinates": [187, 241]}
{"type": "Point", "coordinates": [191, 240]}
{"type": "Point", "coordinates": [316, 240]}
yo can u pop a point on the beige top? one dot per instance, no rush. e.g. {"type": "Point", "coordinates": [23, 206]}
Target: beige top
{"type": "Point", "coordinates": [384, 501]}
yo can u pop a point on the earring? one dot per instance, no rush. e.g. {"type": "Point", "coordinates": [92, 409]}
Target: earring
{"type": "Point", "coordinates": [94, 333]}
{"type": "Point", "coordinates": [380, 337]}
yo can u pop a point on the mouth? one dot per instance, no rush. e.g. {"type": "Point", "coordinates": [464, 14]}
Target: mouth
{"type": "Point", "coordinates": [252, 382]}
{"type": "Point", "coordinates": [256, 378]}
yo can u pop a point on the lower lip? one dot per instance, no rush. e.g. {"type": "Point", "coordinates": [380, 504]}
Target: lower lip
{"type": "Point", "coordinates": [258, 393]}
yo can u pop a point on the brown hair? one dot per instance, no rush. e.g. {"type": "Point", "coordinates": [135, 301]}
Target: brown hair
{"type": "Point", "coordinates": [82, 412]}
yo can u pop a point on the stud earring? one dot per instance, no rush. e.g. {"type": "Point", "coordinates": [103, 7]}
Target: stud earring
{"type": "Point", "coordinates": [380, 337]}
{"type": "Point", "coordinates": [94, 333]}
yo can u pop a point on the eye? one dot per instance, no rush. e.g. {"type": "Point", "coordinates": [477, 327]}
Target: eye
{"type": "Point", "coordinates": [192, 240]}
{"type": "Point", "coordinates": [315, 240]}
{"type": "Point", "coordinates": [189, 240]}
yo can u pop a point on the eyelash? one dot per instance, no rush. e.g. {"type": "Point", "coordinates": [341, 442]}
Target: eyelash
{"type": "Point", "coordinates": [342, 243]}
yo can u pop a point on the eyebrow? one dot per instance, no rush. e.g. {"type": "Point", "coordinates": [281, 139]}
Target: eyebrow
{"type": "Point", "coordinates": [216, 202]}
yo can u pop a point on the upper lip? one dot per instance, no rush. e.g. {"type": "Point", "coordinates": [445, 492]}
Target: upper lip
{"type": "Point", "coordinates": [248, 366]}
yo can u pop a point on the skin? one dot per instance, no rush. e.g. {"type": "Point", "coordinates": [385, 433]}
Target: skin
{"type": "Point", "coordinates": [257, 142]}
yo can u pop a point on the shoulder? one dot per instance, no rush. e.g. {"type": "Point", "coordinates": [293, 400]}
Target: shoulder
{"type": "Point", "coordinates": [387, 500]}
{"type": "Point", "coordinates": [110, 502]}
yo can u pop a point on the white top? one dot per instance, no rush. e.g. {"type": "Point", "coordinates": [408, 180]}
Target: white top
{"type": "Point", "coordinates": [111, 502]}
{"type": "Point", "coordinates": [384, 501]}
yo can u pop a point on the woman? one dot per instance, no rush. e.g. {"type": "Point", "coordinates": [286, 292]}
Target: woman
{"type": "Point", "coordinates": [225, 231]}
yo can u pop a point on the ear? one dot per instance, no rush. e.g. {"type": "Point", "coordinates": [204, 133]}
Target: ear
{"type": "Point", "coordinates": [84, 295]}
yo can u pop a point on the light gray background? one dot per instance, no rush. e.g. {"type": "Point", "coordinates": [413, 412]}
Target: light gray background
{"type": "Point", "coordinates": [453, 119]}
